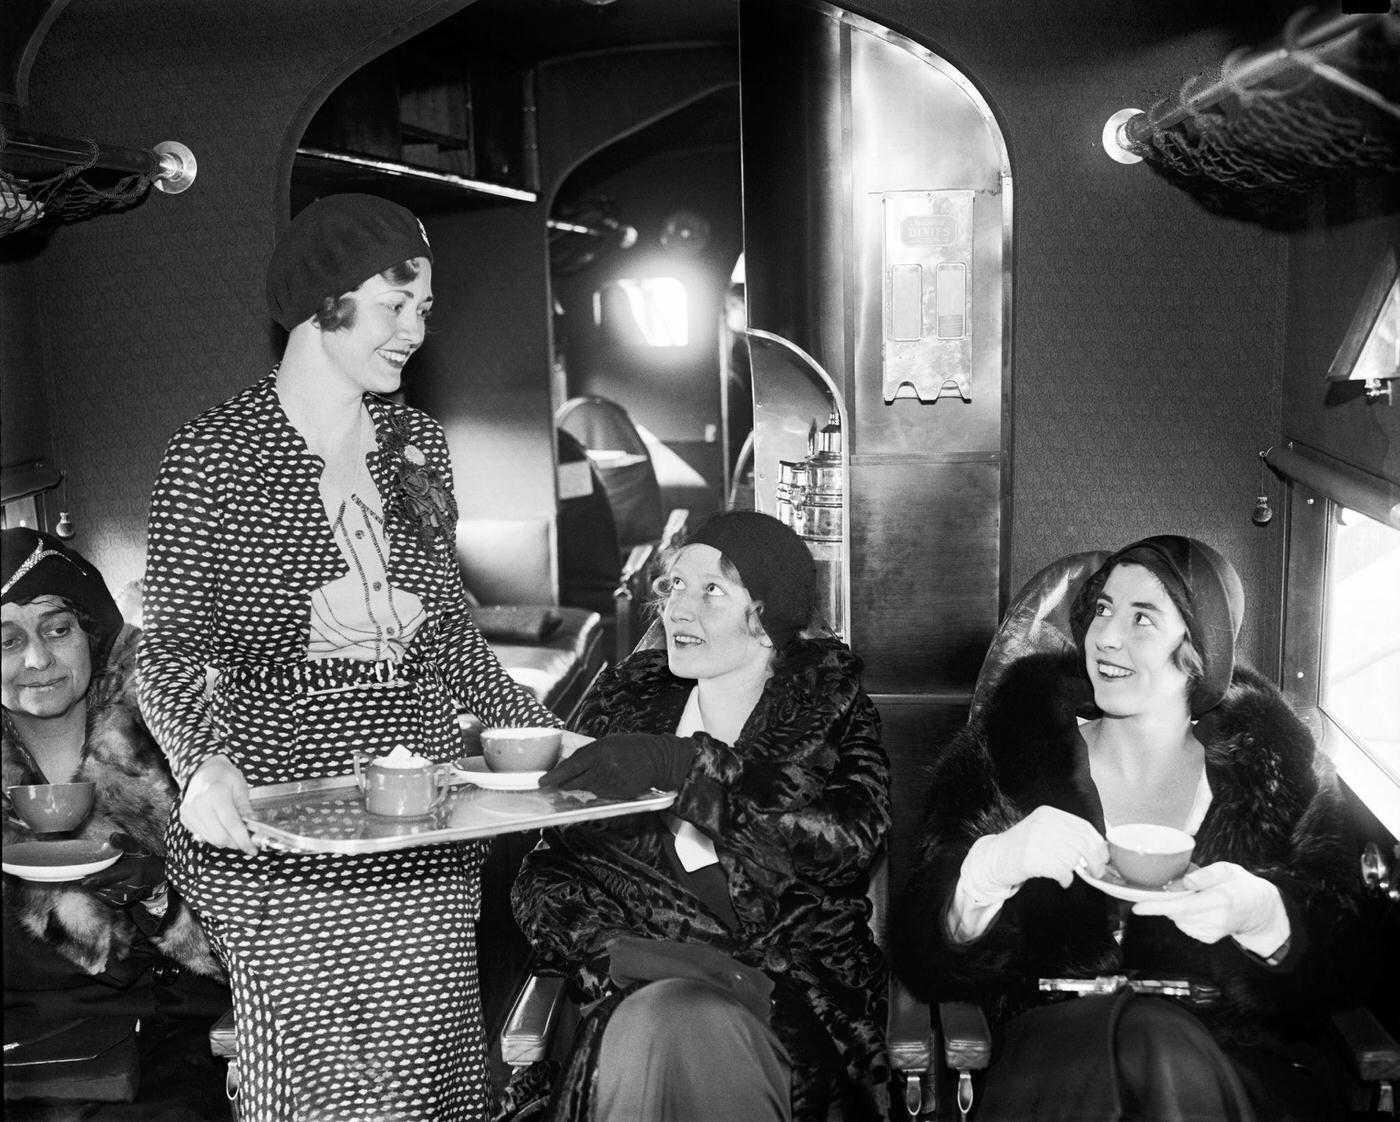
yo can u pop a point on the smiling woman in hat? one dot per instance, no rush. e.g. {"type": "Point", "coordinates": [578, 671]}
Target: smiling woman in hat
{"type": "Point", "coordinates": [302, 549]}
{"type": "Point", "coordinates": [115, 945]}
{"type": "Point", "coordinates": [1171, 731]}
{"type": "Point", "coordinates": [745, 906]}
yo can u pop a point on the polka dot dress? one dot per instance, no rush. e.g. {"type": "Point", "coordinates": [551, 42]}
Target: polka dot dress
{"type": "Point", "coordinates": [354, 976]}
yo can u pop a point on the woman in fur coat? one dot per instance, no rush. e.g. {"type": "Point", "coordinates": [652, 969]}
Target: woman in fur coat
{"type": "Point", "coordinates": [1178, 735]}
{"type": "Point", "coordinates": [113, 944]}
{"type": "Point", "coordinates": [727, 941]}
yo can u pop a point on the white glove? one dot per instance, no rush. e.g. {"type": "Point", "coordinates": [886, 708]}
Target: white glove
{"type": "Point", "coordinates": [1048, 842]}
{"type": "Point", "coordinates": [1227, 900]}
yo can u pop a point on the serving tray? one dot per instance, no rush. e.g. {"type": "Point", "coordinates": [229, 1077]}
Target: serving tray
{"type": "Point", "coordinates": [329, 816]}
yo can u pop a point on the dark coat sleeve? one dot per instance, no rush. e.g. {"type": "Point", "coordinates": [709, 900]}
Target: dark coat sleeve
{"type": "Point", "coordinates": [804, 793]}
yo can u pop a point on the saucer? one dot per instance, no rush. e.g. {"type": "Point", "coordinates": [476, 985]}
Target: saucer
{"type": "Point", "coordinates": [474, 770]}
{"type": "Point", "coordinates": [1112, 882]}
{"type": "Point", "coordinates": [54, 861]}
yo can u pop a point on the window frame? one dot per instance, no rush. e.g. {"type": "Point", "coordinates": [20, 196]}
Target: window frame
{"type": "Point", "coordinates": [1310, 514]}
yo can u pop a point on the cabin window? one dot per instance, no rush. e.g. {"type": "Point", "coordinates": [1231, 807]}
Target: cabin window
{"type": "Point", "coordinates": [1361, 634]}
{"type": "Point", "coordinates": [644, 311]}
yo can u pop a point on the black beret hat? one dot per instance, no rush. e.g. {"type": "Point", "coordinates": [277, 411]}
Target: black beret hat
{"type": "Point", "coordinates": [774, 564]}
{"type": "Point", "coordinates": [334, 246]}
{"type": "Point", "coordinates": [34, 564]}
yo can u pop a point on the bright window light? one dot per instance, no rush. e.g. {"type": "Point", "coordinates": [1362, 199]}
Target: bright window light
{"type": "Point", "coordinates": [1362, 641]}
{"type": "Point", "coordinates": [653, 311]}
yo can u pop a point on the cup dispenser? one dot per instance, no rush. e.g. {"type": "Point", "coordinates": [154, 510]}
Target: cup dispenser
{"type": "Point", "coordinates": [810, 497]}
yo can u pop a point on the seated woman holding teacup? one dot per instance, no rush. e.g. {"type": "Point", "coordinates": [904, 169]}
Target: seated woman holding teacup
{"type": "Point", "coordinates": [1181, 737]}
{"type": "Point", "coordinates": [726, 941]}
{"type": "Point", "coordinates": [81, 770]}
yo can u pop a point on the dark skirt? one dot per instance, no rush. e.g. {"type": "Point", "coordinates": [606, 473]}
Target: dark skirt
{"type": "Point", "coordinates": [1111, 1058]}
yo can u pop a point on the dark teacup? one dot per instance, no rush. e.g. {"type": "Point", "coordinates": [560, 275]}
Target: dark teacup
{"type": "Point", "coordinates": [52, 808]}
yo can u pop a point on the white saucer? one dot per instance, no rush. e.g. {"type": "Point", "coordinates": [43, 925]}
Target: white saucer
{"type": "Point", "coordinates": [474, 770]}
{"type": "Point", "coordinates": [63, 860]}
{"type": "Point", "coordinates": [1113, 883]}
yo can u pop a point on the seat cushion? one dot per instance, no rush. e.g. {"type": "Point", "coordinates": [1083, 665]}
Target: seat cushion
{"type": "Point", "coordinates": [517, 623]}
{"type": "Point", "coordinates": [558, 669]}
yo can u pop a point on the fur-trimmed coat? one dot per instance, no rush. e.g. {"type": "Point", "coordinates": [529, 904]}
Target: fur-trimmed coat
{"type": "Point", "coordinates": [798, 809]}
{"type": "Point", "coordinates": [134, 795]}
{"type": "Point", "coordinates": [1275, 810]}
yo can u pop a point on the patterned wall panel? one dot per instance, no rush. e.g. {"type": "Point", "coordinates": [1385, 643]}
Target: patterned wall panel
{"type": "Point", "coordinates": [154, 314]}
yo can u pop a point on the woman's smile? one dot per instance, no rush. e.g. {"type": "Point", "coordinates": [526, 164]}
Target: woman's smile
{"type": "Point", "coordinates": [396, 359]}
{"type": "Point", "coordinates": [1112, 671]}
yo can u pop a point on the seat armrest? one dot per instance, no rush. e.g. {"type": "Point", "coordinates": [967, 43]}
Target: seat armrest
{"type": "Point", "coordinates": [1372, 1050]}
{"type": "Point", "coordinates": [532, 1020]}
{"type": "Point", "coordinates": [967, 1039]}
{"type": "Point", "coordinates": [909, 1038]}
{"type": "Point", "coordinates": [223, 1039]}
{"type": "Point", "coordinates": [909, 1032]}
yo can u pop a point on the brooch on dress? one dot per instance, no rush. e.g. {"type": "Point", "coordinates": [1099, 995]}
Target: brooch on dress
{"type": "Point", "coordinates": [421, 497]}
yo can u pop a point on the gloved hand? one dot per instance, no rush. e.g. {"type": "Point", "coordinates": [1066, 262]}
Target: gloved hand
{"type": "Point", "coordinates": [1226, 900]}
{"type": "Point", "coordinates": [133, 877]}
{"type": "Point", "coordinates": [1048, 842]}
{"type": "Point", "coordinates": [625, 765]}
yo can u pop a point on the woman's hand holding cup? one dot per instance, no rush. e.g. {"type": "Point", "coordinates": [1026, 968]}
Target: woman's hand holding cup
{"type": "Point", "coordinates": [215, 803]}
{"type": "Point", "coordinates": [1048, 842]}
{"type": "Point", "coordinates": [1226, 900]}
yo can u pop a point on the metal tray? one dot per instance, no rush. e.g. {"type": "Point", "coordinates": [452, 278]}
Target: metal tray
{"type": "Point", "coordinates": [329, 816]}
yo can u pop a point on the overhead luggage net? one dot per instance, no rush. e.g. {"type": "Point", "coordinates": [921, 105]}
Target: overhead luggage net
{"type": "Point", "coordinates": [47, 177]}
{"type": "Point", "coordinates": [1322, 107]}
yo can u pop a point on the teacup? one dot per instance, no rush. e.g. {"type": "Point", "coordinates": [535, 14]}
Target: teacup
{"type": "Point", "coordinates": [401, 789]}
{"type": "Point", "coordinates": [527, 749]}
{"type": "Point", "coordinates": [1149, 855]}
{"type": "Point", "coordinates": [52, 808]}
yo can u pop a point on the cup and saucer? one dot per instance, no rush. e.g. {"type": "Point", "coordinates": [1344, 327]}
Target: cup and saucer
{"type": "Point", "coordinates": [1114, 884]}
{"type": "Point", "coordinates": [1146, 862]}
{"type": "Point", "coordinates": [50, 809]}
{"type": "Point", "coordinates": [512, 759]}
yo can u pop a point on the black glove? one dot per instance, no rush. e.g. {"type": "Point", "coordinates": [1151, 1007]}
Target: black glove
{"type": "Point", "coordinates": [625, 765]}
{"type": "Point", "coordinates": [133, 877]}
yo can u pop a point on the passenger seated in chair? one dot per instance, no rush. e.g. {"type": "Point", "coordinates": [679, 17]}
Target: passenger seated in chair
{"type": "Point", "coordinates": [114, 945]}
{"type": "Point", "coordinates": [728, 938]}
{"type": "Point", "coordinates": [1180, 735]}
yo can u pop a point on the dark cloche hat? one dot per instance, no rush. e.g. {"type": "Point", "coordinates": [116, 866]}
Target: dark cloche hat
{"type": "Point", "coordinates": [774, 564]}
{"type": "Point", "coordinates": [34, 564]}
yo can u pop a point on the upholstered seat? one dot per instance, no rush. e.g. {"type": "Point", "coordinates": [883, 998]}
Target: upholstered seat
{"type": "Point", "coordinates": [1036, 621]}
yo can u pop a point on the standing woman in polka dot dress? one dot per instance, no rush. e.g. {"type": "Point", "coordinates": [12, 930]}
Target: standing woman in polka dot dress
{"type": "Point", "coordinates": [301, 549]}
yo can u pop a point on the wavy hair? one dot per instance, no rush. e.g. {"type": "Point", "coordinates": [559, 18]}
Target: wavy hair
{"type": "Point", "coordinates": [338, 312]}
